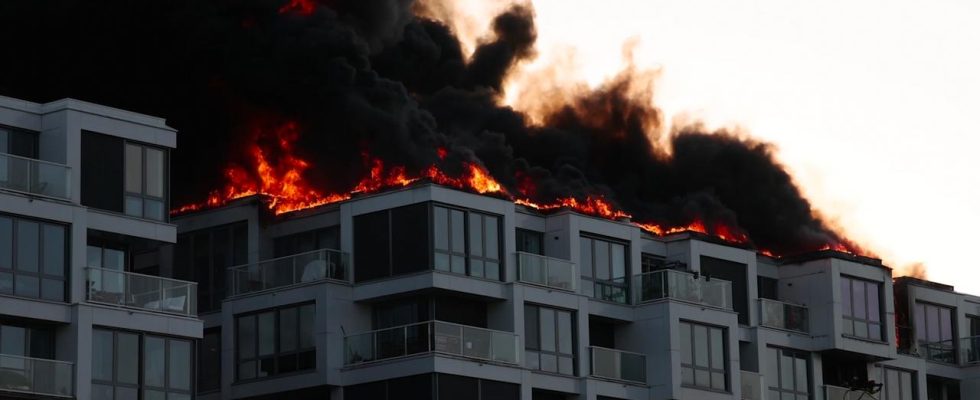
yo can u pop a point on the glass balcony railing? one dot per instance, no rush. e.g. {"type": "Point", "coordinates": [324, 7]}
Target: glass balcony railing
{"type": "Point", "coordinates": [317, 265]}
{"type": "Point", "coordinates": [546, 271]}
{"type": "Point", "coordinates": [49, 378]}
{"type": "Point", "coordinates": [841, 393]}
{"type": "Point", "coordinates": [752, 385]}
{"type": "Point", "coordinates": [35, 176]}
{"type": "Point", "coordinates": [970, 350]}
{"type": "Point", "coordinates": [428, 337]}
{"type": "Point", "coordinates": [614, 290]}
{"type": "Point", "coordinates": [142, 291]}
{"type": "Point", "coordinates": [682, 285]}
{"type": "Point", "coordinates": [782, 315]}
{"type": "Point", "coordinates": [618, 364]}
{"type": "Point", "coordinates": [943, 351]}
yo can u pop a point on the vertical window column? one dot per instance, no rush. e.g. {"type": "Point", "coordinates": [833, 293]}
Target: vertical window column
{"type": "Point", "coordinates": [703, 356]}
{"type": "Point", "coordinates": [549, 339]}
{"type": "Point", "coordinates": [145, 181]}
{"type": "Point", "coordinates": [32, 258]}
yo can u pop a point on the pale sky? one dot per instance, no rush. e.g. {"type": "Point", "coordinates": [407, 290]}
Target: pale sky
{"type": "Point", "coordinates": [871, 104]}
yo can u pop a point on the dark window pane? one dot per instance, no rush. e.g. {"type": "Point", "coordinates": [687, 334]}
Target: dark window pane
{"type": "Point", "coordinates": [27, 286]}
{"type": "Point", "coordinates": [102, 171]}
{"type": "Point", "coordinates": [13, 340]}
{"type": "Point", "coordinates": [246, 337]}
{"type": "Point", "coordinates": [209, 359]}
{"type": "Point", "coordinates": [601, 259]}
{"type": "Point", "coordinates": [53, 289]}
{"type": "Point", "coordinates": [440, 226]}
{"type": "Point", "coordinates": [547, 329]}
{"type": "Point", "coordinates": [54, 250]}
{"type": "Point", "coordinates": [307, 316]}
{"type": "Point", "coordinates": [27, 245]}
{"type": "Point", "coordinates": [288, 329]}
{"type": "Point", "coordinates": [585, 256]}
{"type": "Point", "coordinates": [179, 365]}
{"type": "Point", "coordinates": [456, 224]}
{"type": "Point", "coordinates": [6, 242]}
{"type": "Point", "coordinates": [102, 350]}
{"type": "Point", "coordinates": [530, 242]}
{"type": "Point", "coordinates": [154, 357]}
{"type": "Point", "coordinates": [493, 390]}
{"type": "Point", "coordinates": [101, 392]}
{"type": "Point", "coordinates": [127, 358]}
{"type": "Point", "coordinates": [491, 235]}
{"type": "Point", "coordinates": [267, 333]}
{"type": "Point", "coordinates": [371, 246]}
{"type": "Point", "coordinates": [155, 167]}
{"type": "Point", "coordinates": [531, 338]}
{"type": "Point", "coordinates": [476, 235]}
{"type": "Point", "coordinates": [457, 387]}
{"type": "Point", "coordinates": [134, 168]}
{"type": "Point", "coordinates": [410, 225]}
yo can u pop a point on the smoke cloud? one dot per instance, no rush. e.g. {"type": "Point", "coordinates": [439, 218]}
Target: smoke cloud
{"type": "Point", "coordinates": [368, 76]}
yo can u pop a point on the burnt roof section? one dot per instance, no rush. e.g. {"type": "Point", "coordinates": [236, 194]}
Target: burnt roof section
{"type": "Point", "coordinates": [906, 280]}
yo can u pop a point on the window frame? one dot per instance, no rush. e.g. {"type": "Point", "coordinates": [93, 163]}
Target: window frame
{"type": "Point", "coordinates": [912, 395]}
{"type": "Point", "coordinates": [143, 194]}
{"type": "Point", "coordinates": [610, 289]}
{"type": "Point", "coordinates": [794, 354]}
{"type": "Point", "coordinates": [39, 274]}
{"type": "Point", "coordinates": [707, 347]}
{"type": "Point", "coordinates": [848, 317]}
{"type": "Point", "coordinates": [140, 385]}
{"type": "Point", "coordinates": [466, 254]}
{"type": "Point", "coordinates": [533, 345]}
{"type": "Point", "coordinates": [277, 340]}
{"type": "Point", "coordinates": [520, 233]}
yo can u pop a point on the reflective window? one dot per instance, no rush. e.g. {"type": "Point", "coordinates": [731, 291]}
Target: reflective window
{"type": "Point", "coordinates": [934, 332]}
{"type": "Point", "coordinates": [604, 263]}
{"type": "Point", "coordinates": [530, 241]}
{"type": "Point", "coordinates": [204, 257]}
{"type": "Point", "coordinates": [125, 364]}
{"type": "Point", "coordinates": [145, 181]}
{"type": "Point", "coordinates": [466, 242]}
{"type": "Point", "coordinates": [274, 342]}
{"type": "Point", "coordinates": [898, 384]}
{"type": "Point", "coordinates": [791, 370]}
{"type": "Point", "coordinates": [33, 258]}
{"type": "Point", "coordinates": [703, 356]}
{"type": "Point", "coordinates": [549, 339]}
{"type": "Point", "coordinates": [861, 308]}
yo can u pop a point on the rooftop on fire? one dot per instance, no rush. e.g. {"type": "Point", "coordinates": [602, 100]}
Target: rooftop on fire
{"type": "Point", "coordinates": [420, 288]}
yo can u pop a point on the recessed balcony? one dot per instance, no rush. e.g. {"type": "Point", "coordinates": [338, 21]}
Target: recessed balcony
{"type": "Point", "coordinates": [547, 271]}
{"type": "Point", "coordinates": [36, 376]}
{"type": "Point", "coordinates": [684, 286]}
{"type": "Point", "coordinates": [35, 176]}
{"type": "Point", "coordinates": [147, 292]}
{"type": "Point", "coordinates": [312, 266]}
{"type": "Point", "coordinates": [783, 315]}
{"type": "Point", "coordinates": [431, 337]}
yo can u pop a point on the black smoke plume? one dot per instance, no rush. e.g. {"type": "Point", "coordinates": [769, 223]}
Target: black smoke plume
{"type": "Point", "coordinates": [369, 76]}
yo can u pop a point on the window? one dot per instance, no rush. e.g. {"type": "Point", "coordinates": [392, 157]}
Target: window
{"type": "Point", "coordinates": [650, 263]}
{"type": "Point", "coordinates": [32, 258]}
{"type": "Point", "coordinates": [209, 361]}
{"type": "Point", "coordinates": [737, 274]}
{"type": "Point", "coordinates": [204, 257]}
{"type": "Point", "coordinates": [303, 242]}
{"type": "Point", "coordinates": [604, 262]}
{"type": "Point", "coordinates": [14, 172]}
{"type": "Point", "coordinates": [466, 242]}
{"type": "Point", "coordinates": [898, 384]}
{"type": "Point", "coordinates": [861, 308]}
{"type": "Point", "coordinates": [392, 242]}
{"type": "Point", "coordinates": [939, 388]}
{"type": "Point", "coordinates": [703, 356]}
{"type": "Point", "coordinates": [934, 332]}
{"type": "Point", "coordinates": [791, 372]}
{"type": "Point", "coordinates": [275, 342]}
{"type": "Point", "coordinates": [549, 339]}
{"type": "Point", "coordinates": [23, 340]}
{"type": "Point", "coordinates": [128, 365]}
{"type": "Point", "coordinates": [145, 181]}
{"type": "Point", "coordinates": [530, 241]}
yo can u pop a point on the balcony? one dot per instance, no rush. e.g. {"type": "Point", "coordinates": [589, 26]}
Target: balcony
{"type": "Point", "coordinates": [943, 351]}
{"type": "Point", "coordinates": [35, 176]}
{"type": "Point", "coordinates": [317, 265]}
{"type": "Point", "coordinates": [617, 364]}
{"type": "Point", "coordinates": [752, 385]}
{"type": "Point", "coordinates": [681, 285]}
{"type": "Point", "coordinates": [841, 393]}
{"type": "Point", "coordinates": [546, 271]}
{"type": "Point", "coordinates": [970, 350]}
{"type": "Point", "coordinates": [431, 337]}
{"type": "Point", "coordinates": [146, 292]}
{"type": "Point", "coordinates": [35, 376]}
{"type": "Point", "coordinates": [782, 315]}
{"type": "Point", "coordinates": [614, 290]}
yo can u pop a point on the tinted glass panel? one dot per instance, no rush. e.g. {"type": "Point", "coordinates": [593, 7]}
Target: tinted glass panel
{"type": "Point", "coordinates": [27, 245]}
{"type": "Point", "coordinates": [179, 368]}
{"type": "Point", "coordinates": [127, 358]}
{"type": "Point", "coordinates": [134, 168]}
{"type": "Point", "coordinates": [154, 172]}
{"type": "Point", "coordinates": [54, 250]}
{"type": "Point", "coordinates": [154, 359]}
{"type": "Point", "coordinates": [6, 242]}
{"type": "Point", "coordinates": [102, 355]}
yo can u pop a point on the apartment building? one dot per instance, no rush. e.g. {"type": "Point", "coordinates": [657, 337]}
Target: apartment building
{"type": "Point", "coordinates": [428, 292]}
{"type": "Point", "coordinates": [424, 292]}
{"type": "Point", "coordinates": [88, 309]}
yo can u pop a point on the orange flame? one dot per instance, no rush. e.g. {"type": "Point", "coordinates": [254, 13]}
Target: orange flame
{"type": "Point", "coordinates": [597, 206]}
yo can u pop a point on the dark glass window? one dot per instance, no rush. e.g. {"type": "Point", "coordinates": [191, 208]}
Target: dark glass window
{"type": "Point", "coordinates": [145, 181]}
{"type": "Point", "coordinates": [453, 229]}
{"type": "Point", "coordinates": [704, 354]}
{"type": "Point", "coordinates": [898, 384]}
{"type": "Point", "coordinates": [209, 361]}
{"type": "Point", "coordinates": [128, 365]}
{"type": "Point", "coordinates": [17, 142]}
{"type": "Point", "coordinates": [604, 263]}
{"type": "Point", "coordinates": [735, 273]}
{"type": "Point", "coordinates": [324, 238]}
{"type": "Point", "coordinates": [33, 258]}
{"type": "Point", "coordinates": [767, 288]}
{"type": "Point", "coordinates": [204, 256]}
{"type": "Point", "coordinates": [861, 308]}
{"type": "Point", "coordinates": [549, 340]}
{"type": "Point", "coordinates": [530, 241]}
{"type": "Point", "coordinates": [650, 263]}
{"type": "Point", "coordinates": [934, 331]}
{"type": "Point", "coordinates": [27, 340]}
{"type": "Point", "coordinates": [15, 172]}
{"type": "Point", "coordinates": [790, 370]}
{"type": "Point", "coordinates": [102, 171]}
{"type": "Point", "coordinates": [433, 387]}
{"type": "Point", "coordinates": [277, 341]}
